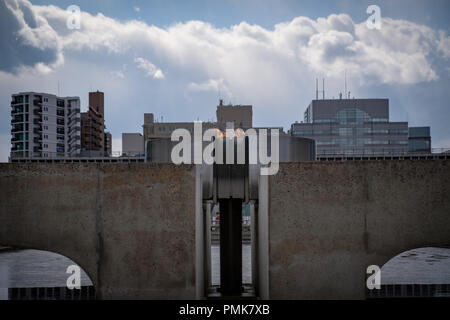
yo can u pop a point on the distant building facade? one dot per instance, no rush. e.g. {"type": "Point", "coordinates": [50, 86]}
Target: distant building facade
{"type": "Point", "coordinates": [419, 140]}
{"type": "Point", "coordinates": [44, 126]}
{"type": "Point", "coordinates": [240, 116]}
{"type": "Point", "coordinates": [352, 127]}
{"type": "Point", "coordinates": [132, 144]}
{"type": "Point", "coordinates": [108, 144]}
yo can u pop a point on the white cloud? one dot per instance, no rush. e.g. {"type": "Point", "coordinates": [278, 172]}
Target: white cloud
{"type": "Point", "coordinates": [398, 53]}
{"type": "Point", "coordinates": [271, 68]}
{"type": "Point", "coordinates": [150, 69]}
{"type": "Point", "coordinates": [117, 73]}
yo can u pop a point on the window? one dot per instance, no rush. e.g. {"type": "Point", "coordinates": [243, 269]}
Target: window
{"type": "Point", "coordinates": [398, 142]}
{"type": "Point", "coordinates": [352, 116]}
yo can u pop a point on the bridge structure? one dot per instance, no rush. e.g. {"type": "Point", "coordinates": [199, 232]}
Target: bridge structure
{"type": "Point", "coordinates": [138, 229]}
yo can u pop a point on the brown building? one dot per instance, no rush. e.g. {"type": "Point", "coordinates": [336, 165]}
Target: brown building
{"type": "Point", "coordinates": [94, 140]}
{"type": "Point", "coordinates": [240, 115]}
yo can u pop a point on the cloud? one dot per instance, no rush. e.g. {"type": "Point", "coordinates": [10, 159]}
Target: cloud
{"type": "Point", "coordinates": [210, 85]}
{"type": "Point", "coordinates": [26, 38]}
{"type": "Point", "coordinates": [270, 68]}
{"type": "Point", "coordinates": [150, 69]}
{"type": "Point", "coordinates": [398, 53]}
{"type": "Point", "coordinates": [137, 9]}
{"type": "Point", "coordinates": [117, 73]}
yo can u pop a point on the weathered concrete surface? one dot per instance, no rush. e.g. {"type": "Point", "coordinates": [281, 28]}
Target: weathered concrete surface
{"type": "Point", "coordinates": [329, 221]}
{"type": "Point", "coordinates": [131, 227]}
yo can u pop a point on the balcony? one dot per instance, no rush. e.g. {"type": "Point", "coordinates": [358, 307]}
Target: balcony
{"type": "Point", "coordinates": [17, 100]}
{"type": "Point", "coordinates": [37, 130]}
{"type": "Point", "coordinates": [17, 119]}
{"type": "Point", "coordinates": [17, 128]}
{"type": "Point", "coordinates": [16, 110]}
{"type": "Point", "coordinates": [18, 146]}
{"type": "Point", "coordinates": [37, 121]}
{"type": "Point", "coordinates": [60, 122]}
{"type": "Point", "coordinates": [60, 113]}
{"type": "Point", "coordinates": [60, 131]}
{"type": "Point", "coordinates": [37, 139]}
{"type": "Point", "coordinates": [37, 112]}
{"type": "Point", "coordinates": [37, 148]}
{"type": "Point", "coordinates": [37, 102]}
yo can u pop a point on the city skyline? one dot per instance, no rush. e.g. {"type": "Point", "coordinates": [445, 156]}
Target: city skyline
{"type": "Point", "coordinates": [177, 63]}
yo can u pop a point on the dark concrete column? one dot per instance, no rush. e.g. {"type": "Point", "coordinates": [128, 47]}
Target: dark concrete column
{"type": "Point", "coordinates": [230, 246]}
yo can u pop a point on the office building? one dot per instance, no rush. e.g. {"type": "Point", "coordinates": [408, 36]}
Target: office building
{"type": "Point", "coordinates": [352, 127]}
{"type": "Point", "coordinates": [44, 126]}
{"type": "Point", "coordinates": [419, 140]}
{"type": "Point", "coordinates": [132, 144]}
{"type": "Point", "coordinates": [240, 116]}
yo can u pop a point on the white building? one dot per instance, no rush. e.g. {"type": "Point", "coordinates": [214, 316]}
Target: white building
{"type": "Point", "coordinates": [45, 126]}
{"type": "Point", "coordinates": [132, 144]}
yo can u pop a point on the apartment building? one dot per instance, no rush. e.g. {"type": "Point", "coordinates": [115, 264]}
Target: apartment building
{"type": "Point", "coordinates": [44, 126]}
{"type": "Point", "coordinates": [95, 142]}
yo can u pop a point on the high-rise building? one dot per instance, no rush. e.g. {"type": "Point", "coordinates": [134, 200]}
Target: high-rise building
{"type": "Point", "coordinates": [419, 140]}
{"type": "Point", "coordinates": [352, 127]}
{"type": "Point", "coordinates": [94, 141]}
{"type": "Point", "coordinates": [44, 126]}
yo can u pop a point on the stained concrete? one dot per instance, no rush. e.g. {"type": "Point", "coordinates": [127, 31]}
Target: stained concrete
{"type": "Point", "coordinates": [329, 221]}
{"type": "Point", "coordinates": [131, 227]}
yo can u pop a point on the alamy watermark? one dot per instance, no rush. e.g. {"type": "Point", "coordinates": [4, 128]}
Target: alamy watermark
{"type": "Point", "coordinates": [374, 280]}
{"type": "Point", "coordinates": [374, 20]}
{"type": "Point", "coordinates": [74, 280]}
{"type": "Point", "coordinates": [213, 152]}
{"type": "Point", "coordinates": [74, 20]}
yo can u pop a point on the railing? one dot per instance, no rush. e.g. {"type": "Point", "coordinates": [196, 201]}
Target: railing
{"type": "Point", "coordinates": [16, 120]}
{"type": "Point", "coordinates": [378, 152]}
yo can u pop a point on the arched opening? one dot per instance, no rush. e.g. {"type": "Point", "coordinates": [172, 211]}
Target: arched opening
{"type": "Point", "coordinates": [418, 273]}
{"type": "Point", "coordinates": [29, 274]}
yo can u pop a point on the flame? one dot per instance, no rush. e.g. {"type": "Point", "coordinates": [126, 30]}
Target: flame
{"type": "Point", "coordinates": [237, 133]}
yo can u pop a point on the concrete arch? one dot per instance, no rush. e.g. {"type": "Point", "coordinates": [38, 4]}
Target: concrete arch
{"type": "Point", "coordinates": [115, 220]}
{"type": "Point", "coordinates": [427, 246]}
{"type": "Point", "coordinates": [329, 221]}
{"type": "Point", "coordinates": [58, 254]}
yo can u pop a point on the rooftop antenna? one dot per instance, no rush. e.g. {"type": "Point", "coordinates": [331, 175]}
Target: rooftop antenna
{"type": "Point", "coordinates": [345, 82]}
{"type": "Point", "coordinates": [323, 88]}
{"type": "Point", "coordinates": [317, 89]}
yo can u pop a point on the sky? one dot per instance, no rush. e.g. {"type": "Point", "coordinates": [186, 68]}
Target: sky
{"type": "Point", "coordinates": [177, 58]}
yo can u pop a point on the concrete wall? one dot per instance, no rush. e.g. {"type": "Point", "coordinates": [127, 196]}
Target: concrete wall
{"type": "Point", "coordinates": [131, 227]}
{"type": "Point", "coordinates": [329, 221]}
